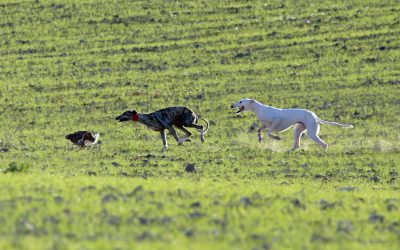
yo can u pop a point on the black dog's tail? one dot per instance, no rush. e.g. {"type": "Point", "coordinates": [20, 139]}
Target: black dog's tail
{"type": "Point", "coordinates": [208, 125]}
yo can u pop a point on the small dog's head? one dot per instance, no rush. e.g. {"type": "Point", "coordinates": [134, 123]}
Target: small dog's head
{"type": "Point", "coordinates": [127, 116]}
{"type": "Point", "coordinates": [243, 105]}
{"type": "Point", "coordinates": [69, 137]}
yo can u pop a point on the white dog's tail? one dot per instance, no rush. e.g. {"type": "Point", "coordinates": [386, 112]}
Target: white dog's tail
{"type": "Point", "coordinates": [335, 124]}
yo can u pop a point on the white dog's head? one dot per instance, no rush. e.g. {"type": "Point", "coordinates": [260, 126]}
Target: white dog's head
{"type": "Point", "coordinates": [243, 105]}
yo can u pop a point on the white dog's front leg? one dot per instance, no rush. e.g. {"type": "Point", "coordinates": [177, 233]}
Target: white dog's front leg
{"type": "Point", "coordinates": [259, 131]}
{"type": "Point", "coordinates": [274, 125]}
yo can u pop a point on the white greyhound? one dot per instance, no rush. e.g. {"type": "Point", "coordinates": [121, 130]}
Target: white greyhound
{"type": "Point", "coordinates": [279, 120]}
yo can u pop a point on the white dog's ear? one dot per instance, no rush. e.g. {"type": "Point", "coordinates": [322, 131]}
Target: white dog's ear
{"type": "Point", "coordinates": [252, 101]}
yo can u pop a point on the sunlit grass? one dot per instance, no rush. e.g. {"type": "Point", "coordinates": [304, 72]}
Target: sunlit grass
{"type": "Point", "coordinates": [76, 65]}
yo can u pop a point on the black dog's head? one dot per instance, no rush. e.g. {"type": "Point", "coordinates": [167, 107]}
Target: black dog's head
{"type": "Point", "coordinates": [127, 116]}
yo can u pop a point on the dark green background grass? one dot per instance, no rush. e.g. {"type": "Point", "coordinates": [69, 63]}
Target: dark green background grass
{"type": "Point", "coordinates": [75, 65]}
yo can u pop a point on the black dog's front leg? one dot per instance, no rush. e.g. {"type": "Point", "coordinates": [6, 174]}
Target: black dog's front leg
{"type": "Point", "coordinates": [164, 139]}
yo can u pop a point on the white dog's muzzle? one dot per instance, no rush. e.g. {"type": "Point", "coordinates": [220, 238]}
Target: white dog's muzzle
{"type": "Point", "coordinates": [241, 108]}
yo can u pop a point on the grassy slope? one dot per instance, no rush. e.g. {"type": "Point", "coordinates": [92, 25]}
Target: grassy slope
{"type": "Point", "coordinates": [76, 65]}
{"type": "Point", "coordinates": [56, 212]}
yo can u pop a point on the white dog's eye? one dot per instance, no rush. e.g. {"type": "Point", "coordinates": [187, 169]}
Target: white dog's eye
{"type": "Point", "coordinates": [240, 102]}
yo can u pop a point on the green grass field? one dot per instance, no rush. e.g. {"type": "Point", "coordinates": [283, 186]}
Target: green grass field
{"type": "Point", "coordinates": [75, 65]}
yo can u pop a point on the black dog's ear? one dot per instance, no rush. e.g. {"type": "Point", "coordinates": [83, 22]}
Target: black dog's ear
{"type": "Point", "coordinates": [133, 111]}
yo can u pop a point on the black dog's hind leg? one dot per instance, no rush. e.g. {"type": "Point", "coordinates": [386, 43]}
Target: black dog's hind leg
{"type": "Point", "coordinates": [198, 127]}
{"type": "Point", "coordinates": [190, 120]}
{"type": "Point", "coordinates": [170, 129]}
{"type": "Point", "coordinates": [187, 132]}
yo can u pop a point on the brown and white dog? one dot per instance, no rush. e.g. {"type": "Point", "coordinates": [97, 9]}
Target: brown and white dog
{"type": "Point", "coordinates": [83, 138]}
{"type": "Point", "coordinates": [166, 118]}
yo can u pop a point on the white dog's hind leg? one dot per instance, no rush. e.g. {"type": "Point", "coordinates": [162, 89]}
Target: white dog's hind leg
{"type": "Point", "coordinates": [313, 131]}
{"type": "Point", "coordinates": [299, 128]}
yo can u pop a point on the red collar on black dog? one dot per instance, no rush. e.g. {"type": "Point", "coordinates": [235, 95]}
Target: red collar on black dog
{"type": "Point", "coordinates": [135, 117]}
